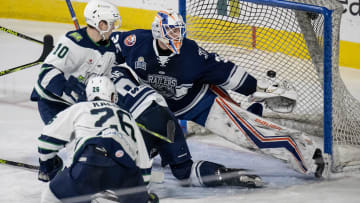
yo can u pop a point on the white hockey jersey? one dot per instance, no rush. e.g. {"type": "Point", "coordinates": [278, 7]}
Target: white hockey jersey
{"type": "Point", "coordinates": [96, 122]}
{"type": "Point", "coordinates": [75, 54]}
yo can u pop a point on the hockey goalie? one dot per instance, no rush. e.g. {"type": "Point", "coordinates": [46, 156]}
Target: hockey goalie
{"type": "Point", "coordinates": [192, 81]}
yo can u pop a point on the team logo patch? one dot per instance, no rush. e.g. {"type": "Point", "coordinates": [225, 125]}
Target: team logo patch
{"type": "Point", "coordinates": [119, 153]}
{"type": "Point", "coordinates": [130, 40]}
{"type": "Point", "coordinates": [140, 63]}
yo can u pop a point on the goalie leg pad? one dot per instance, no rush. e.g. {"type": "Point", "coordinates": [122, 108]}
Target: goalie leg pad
{"type": "Point", "coordinates": [253, 132]}
{"type": "Point", "coordinates": [256, 108]}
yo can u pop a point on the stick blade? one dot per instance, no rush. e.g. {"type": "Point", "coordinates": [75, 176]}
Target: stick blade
{"type": "Point", "coordinates": [48, 46]}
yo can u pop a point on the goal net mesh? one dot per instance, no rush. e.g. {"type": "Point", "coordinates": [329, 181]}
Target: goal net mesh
{"type": "Point", "coordinates": [261, 37]}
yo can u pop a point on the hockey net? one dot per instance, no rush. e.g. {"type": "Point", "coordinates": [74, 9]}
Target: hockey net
{"type": "Point", "coordinates": [291, 38]}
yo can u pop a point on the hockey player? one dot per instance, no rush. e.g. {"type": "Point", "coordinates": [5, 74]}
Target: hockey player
{"type": "Point", "coordinates": [78, 55]}
{"type": "Point", "coordinates": [163, 135]}
{"type": "Point", "coordinates": [191, 80]}
{"type": "Point", "coordinates": [109, 153]}
{"type": "Point", "coordinates": [83, 53]}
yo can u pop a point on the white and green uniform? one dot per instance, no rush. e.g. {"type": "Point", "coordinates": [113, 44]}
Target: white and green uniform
{"type": "Point", "coordinates": [99, 123]}
{"type": "Point", "coordinates": [75, 55]}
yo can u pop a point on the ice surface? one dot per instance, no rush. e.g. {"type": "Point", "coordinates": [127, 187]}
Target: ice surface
{"type": "Point", "coordinates": [20, 126]}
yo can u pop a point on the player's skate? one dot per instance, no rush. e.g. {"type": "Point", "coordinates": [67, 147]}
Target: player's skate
{"type": "Point", "coordinates": [238, 177]}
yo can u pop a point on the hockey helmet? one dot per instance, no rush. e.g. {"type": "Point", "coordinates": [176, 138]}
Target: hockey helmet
{"type": "Point", "coordinates": [101, 87]}
{"type": "Point", "coordinates": [97, 11]}
{"type": "Point", "coordinates": [169, 28]}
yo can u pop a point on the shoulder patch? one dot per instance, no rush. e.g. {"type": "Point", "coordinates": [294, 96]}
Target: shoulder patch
{"type": "Point", "coordinates": [77, 37]}
{"type": "Point", "coordinates": [130, 40]}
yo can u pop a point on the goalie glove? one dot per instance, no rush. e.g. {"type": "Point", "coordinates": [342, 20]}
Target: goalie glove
{"type": "Point", "coordinates": [49, 168]}
{"type": "Point", "coordinates": [279, 96]}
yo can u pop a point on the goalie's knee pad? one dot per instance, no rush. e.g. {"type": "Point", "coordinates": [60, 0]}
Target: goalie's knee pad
{"type": "Point", "coordinates": [183, 170]}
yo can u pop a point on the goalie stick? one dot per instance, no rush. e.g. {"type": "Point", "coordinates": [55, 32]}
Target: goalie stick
{"type": "Point", "coordinates": [48, 45]}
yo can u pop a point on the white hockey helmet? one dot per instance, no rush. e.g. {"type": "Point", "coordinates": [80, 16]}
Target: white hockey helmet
{"type": "Point", "coordinates": [169, 28]}
{"type": "Point", "coordinates": [97, 11]}
{"type": "Point", "coordinates": [101, 87]}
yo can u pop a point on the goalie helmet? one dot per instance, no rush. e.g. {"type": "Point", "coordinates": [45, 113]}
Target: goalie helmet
{"type": "Point", "coordinates": [101, 87]}
{"type": "Point", "coordinates": [97, 11]}
{"type": "Point", "coordinates": [169, 28]}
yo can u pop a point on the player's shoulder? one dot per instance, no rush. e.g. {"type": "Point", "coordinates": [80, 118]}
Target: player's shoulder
{"type": "Point", "coordinates": [190, 45]}
{"type": "Point", "coordinates": [76, 36]}
{"type": "Point", "coordinates": [138, 32]}
{"type": "Point", "coordinates": [191, 49]}
{"type": "Point", "coordinates": [132, 37]}
{"type": "Point", "coordinates": [189, 42]}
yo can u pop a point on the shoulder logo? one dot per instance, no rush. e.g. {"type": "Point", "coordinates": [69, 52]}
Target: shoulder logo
{"type": "Point", "coordinates": [77, 37]}
{"type": "Point", "coordinates": [130, 40]}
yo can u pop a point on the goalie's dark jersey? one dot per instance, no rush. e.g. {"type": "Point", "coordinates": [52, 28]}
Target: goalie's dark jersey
{"type": "Point", "coordinates": [182, 79]}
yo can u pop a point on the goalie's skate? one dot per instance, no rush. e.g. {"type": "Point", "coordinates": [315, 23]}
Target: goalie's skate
{"type": "Point", "coordinates": [319, 162]}
{"type": "Point", "coordinates": [238, 177]}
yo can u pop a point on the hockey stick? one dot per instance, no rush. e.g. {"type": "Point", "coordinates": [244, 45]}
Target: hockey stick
{"type": "Point", "coordinates": [143, 127]}
{"type": "Point", "coordinates": [19, 164]}
{"type": "Point", "coordinates": [156, 176]}
{"type": "Point", "coordinates": [12, 32]}
{"type": "Point", "coordinates": [48, 45]}
{"type": "Point", "coordinates": [72, 13]}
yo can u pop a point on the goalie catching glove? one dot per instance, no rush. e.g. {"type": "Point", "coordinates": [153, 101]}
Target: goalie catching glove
{"type": "Point", "coordinates": [279, 96]}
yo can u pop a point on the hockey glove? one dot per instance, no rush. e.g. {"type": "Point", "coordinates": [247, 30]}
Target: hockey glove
{"type": "Point", "coordinates": [279, 96]}
{"type": "Point", "coordinates": [49, 168]}
{"type": "Point", "coordinates": [75, 89]}
{"type": "Point", "coordinates": [153, 198]}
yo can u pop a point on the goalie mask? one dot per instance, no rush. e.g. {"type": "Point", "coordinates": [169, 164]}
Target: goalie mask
{"type": "Point", "coordinates": [101, 87]}
{"type": "Point", "coordinates": [97, 11]}
{"type": "Point", "coordinates": [169, 28]}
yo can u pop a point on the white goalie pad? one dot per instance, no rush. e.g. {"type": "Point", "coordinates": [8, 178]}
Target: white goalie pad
{"type": "Point", "coordinates": [278, 96]}
{"type": "Point", "coordinates": [256, 133]}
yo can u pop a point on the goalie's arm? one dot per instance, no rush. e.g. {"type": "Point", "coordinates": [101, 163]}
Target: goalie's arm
{"type": "Point", "coordinates": [225, 74]}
